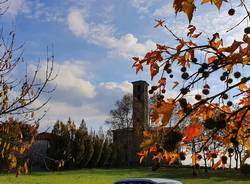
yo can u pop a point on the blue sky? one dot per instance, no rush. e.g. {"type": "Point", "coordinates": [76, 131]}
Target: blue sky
{"type": "Point", "coordinates": [93, 43]}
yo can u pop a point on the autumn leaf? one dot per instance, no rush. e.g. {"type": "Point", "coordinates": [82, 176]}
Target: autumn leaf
{"type": "Point", "coordinates": [191, 29]}
{"type": "Point", "coordinates": [184, 60]}
{"type": "Point", "coordinates": [136, 59]}
{"type": "Point", "coordinates": [181, 45]}
{"type": "Point", "coordinates": [153, 56]}
{"type": "Point", "coordinates": [146, 144]}
{"type": "Point", "coordinates": [167, 156]}
{"type": "Point", "coordinates": [158, 157]}
{"type": "Point", "coordinates": [206, 1]}
{"type": "Point", "coordinates": [186, 6]}
{"type": "Point", "coordinates": [245, 60]}
{"type": "Point", "coordinates": [147, 134]}
{"type": "Point", "coordinates": [235, 45]}
{"type": "Point", "coordinates": [217, 164]}
{"type": "Point", "coordinates": [159, 23]}
{"type": "Point", "coordinates": [194, 159]}
{"type": "Point", "coordinates": [162, 82]}
{"type": "Point", "coordinates": [192, 131]}
{"type": "Point", "coordinates": [217, 44]}
{"type": "Point", "coordinates": [162, 48]}
{"type": "Point", "coordinates": [173, 158]}
{"type": "Point", "coordinates": [163, 112]}
{"type": "Point", "coordinates": [211, 59]}
{"type": "Point", "coordinates": [142, 155]}
{"type": "Point", "coordinates": [242, 87]}
{"type": "Point", "coordinates": [154, 69]}
{"type": "Point", "coordinates": [190, 43]}
{"type": "Point", "coordinates": [217, 3]}
{"type": "Point", "coordinates": [175, 84]}
{"type": "Point", "coordinates": [246, 38]}
{"type": "Point", "coordinates": [138, 67]}
{"type": "Point", "coordinates": [32, 114]}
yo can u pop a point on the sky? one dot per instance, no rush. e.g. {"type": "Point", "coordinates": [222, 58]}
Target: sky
{"type": "Point", "coordinates": [93, 42]}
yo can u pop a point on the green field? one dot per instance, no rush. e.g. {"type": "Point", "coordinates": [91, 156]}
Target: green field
{"type": "Point", "coordinates": [107, 176]}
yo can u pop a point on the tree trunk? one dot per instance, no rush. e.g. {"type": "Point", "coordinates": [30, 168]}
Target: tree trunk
{"type": "Point", "coordinates": [236, 157]}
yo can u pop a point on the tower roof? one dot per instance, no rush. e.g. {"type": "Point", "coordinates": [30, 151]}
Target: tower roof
{"type": "Point", "coordinates": [140, 81]}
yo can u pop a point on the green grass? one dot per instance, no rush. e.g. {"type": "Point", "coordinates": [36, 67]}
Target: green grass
{"type": "Point", "coordinates": [107, 176]}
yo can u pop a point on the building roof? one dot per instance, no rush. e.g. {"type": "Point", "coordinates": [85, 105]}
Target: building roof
{"type": "Point", "coordinates": [139, 81]}
{"type": "Point", "coordinates": [46, 136]}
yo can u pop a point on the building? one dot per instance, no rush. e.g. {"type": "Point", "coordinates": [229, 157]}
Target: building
{"type": "Point", "coordinates": [127, 140]}
{"type": "Point", "coordinates": [38, 152]}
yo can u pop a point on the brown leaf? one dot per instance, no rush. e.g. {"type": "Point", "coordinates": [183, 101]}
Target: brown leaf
{"type": "Point", "coordinates": [154, 69]}
{"type": "Point", "coordinates": [175, 84]}
{"type": "Point", "coordinates": [159, 23]}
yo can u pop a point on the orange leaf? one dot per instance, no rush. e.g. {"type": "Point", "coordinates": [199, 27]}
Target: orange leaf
{"type": "Point", "coordinates": [194, 159]}
{"type": "Point", "coordinates": [217, 3]}
{"type": "Point", "coordinates": [147, 134]}
{"type": "Point", "coordinates": [162, 82]}
{"type": "Point", "coordinates": [242, 87]}
{"type": "Point", "coordinates": [211, 59]}
{"type": "Point", "coordinates": [235, 45]}
{"type": "Point", "coordinates": [217, 164]}
{"type": "Point", "coordinates": [205, 1]}
{"type": "Point", "coordinates": [163, 112]}
{"type": "Point", "coordinates": [167, 156]}
{"type": "Point", "coordinates": [154, 69]}
{"type": "Point", "coordinates": [192, 131]}
{"type": "Point", "coordinates": [174, 157]}
{"type": "Point", "coordinates": [245, 60]}
{"type": "Point", "coordinates": [138, 67]}
{"type": "Point", "coordinates": [216, 44]}
{"type": "Point", "coordinates": [141, 159]}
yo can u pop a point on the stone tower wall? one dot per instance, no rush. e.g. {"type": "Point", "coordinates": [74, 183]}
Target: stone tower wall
{"type": "Point", "coordinates": [140, 115]}
{"type": "Point", "coordinates": [127, 141]}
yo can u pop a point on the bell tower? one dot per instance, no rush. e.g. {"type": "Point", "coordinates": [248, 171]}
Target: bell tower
{"type": "Point", "coordinates": [140, 114]}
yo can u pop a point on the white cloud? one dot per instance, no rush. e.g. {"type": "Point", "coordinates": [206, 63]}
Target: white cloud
{"type": "Point", "coordinates": [164, 11]}
{"type": "Point", "coordinates": [210, 22]}
{"type": "Point", "coordinates": [72, 83]}
{"type": "Point", "coordinates": [77, 97]}
{"type": "Point", "coordinates": [77, 23]}
{"type": "Point", "coordinates": [14, 7]}
{"type": "Point", "coordinates": [103, 35]}
{"type": "Point", "coordinates": [125, 86]}
{"type": "Point", "coordinates": [213, 22]}
{"type": "Point", "coordinates": [72, 76]}
{"type": "Point", "coordinates": [141, 5]}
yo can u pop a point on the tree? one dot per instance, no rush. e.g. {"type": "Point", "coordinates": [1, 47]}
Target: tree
{"type": "Point", "coordinates": [79, 148]}
{"type": "Point", "coordinates": [222, 113]}
{"type": "Point", "coordinates": [121, 116]}
{"type": "Point", "coordinates": [18, 94]}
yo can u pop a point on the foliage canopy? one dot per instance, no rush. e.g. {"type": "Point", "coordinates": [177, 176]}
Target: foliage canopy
{"type": "Point", "coordinates": [212, 93]}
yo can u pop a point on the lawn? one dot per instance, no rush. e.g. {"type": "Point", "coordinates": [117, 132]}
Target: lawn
{"type": "Point", "coordinates": [107, 176]}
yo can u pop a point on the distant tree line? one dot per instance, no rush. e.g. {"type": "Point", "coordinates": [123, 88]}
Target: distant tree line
{"type": "Point", "coordinates": [80, 148]}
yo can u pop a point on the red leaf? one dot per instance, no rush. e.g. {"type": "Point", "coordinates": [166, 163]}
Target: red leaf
{"type": "Point", "coordinates": [192, 131]}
